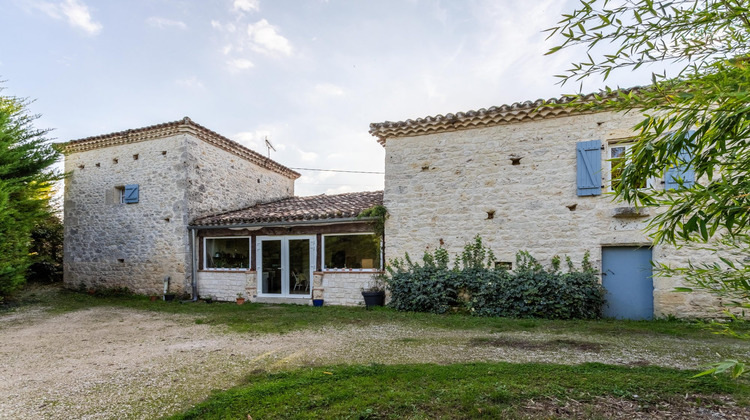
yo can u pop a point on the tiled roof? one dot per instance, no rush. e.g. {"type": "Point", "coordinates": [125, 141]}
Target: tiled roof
{"type": "Point", "coordinates": [185, 125]}
{"type": "Point", "coordinates": [313, 208]}
{"type": "Point", "coordinates": [496, 115]}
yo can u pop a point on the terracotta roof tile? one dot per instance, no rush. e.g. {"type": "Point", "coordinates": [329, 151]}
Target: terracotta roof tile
{"type": "Point", "coordinates": [185, 125]}
{"type": "Point", "coordinates": [496, 115]}
{"type": "Point", "coordinates": [317, 207]}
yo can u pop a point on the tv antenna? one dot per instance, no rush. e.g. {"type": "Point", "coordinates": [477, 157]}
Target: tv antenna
{"type": "Point", "coordinates": [270, 147]}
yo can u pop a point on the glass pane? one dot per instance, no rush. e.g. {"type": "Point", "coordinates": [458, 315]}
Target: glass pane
{"type": "Point", "coordinates": [617, 156]}
{"type": "Point", "coordinates": [228, 253]}
{"type": "Point", "coordinates": [299, 266]}
{"type": "Point", "coordinates": [352, 251]}
{"type": "Point", "coordinates": [271, 265]}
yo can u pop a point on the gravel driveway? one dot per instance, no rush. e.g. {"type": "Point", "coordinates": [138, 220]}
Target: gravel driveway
{"type": "Point", "coordinates": [120, 363]}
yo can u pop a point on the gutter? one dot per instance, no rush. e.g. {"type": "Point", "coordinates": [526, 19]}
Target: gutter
{"type": "Point", "coordinates": [283, 224]}
{"type": "Point", "coordinates": [193, 265]}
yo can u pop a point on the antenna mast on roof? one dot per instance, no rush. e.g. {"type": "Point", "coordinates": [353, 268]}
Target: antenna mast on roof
{"type": "Point", "coordinates": [270, 147]}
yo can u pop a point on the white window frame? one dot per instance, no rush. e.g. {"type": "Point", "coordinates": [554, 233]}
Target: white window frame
{"type": "Point", "coordinates": [627, 144]}
{"type": "Point", "coordinates": [323, 253]}
{"type": "Point", "coordinates": [249, 253]}
{"type": "Point", "coordinates": [285, 288]}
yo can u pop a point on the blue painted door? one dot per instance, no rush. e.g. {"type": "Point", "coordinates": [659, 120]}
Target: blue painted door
{"type": "Point", "coordinates": [626, 276]}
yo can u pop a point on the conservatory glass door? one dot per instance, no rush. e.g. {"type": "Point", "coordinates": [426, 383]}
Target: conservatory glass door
{"type": "Point", "coordinates": [285, 265]}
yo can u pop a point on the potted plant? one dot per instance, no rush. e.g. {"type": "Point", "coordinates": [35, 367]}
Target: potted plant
{"type": "Point", "coordinates": [208, 299]}
{"type": "Point", "coordinates": [374, 292]}
{"type": "Point", "coordinates": [240, 299]}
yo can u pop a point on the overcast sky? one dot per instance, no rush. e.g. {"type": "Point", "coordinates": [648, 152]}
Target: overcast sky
{"type": "Point", "coordinates": [311, 75]}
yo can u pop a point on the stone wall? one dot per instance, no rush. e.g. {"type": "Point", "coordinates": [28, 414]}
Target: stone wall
{"type": "Point", "coordinates": [108, 244]}
{"type": "Point", "coordinates": [180, 177]}
{"type": "Point", "coordinates": [220, 181]}
{"type": "Point", "coordinates": [336, 288]}
{"type": "Point", "coordinates": [344, 288]}
{"type": "Point", "coordinates": [448, 187]}
{"type": "Point", "coordinates": [224, 285]}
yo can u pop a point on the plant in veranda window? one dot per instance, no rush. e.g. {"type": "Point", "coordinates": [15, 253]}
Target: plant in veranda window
{"type": "Point", "coordinates": [708, 41]}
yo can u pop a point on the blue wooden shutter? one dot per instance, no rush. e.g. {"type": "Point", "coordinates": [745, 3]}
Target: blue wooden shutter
{"type": "Point", "coordinates": [131, 194]}
{"type": "Point", "coordinates": [589, 167]}
{"type": "Point", "coordinates": [680, 172]}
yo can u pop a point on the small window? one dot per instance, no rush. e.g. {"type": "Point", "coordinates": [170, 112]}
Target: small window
{"type": "Point", "coordinates": [227, 253]}
{"type": "Point", "coordinates": [353, 251]}
{"type": "Point", "coordinates": [505, 265]}
{"type": "Point", "coordinates": [120, 194]}
{"type": "Point", "coordinates": [618, 158]}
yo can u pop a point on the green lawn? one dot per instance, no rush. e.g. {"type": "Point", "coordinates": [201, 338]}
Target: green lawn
{"type": "Point", "coordinates": [476, 390]}
{"type": "Point", "coordinates": [263, 318]}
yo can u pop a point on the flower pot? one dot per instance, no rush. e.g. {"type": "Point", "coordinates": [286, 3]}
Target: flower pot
{"type": "Point", "coordinates": [376, 298]}
{"type": "Point", "coordinates": [240, 301]}
{"type": "Point", "coordinates": [318, 302]}
{"type": "Point", "coordinates": [153, 298]}
{"type": "Point", "coordinates": [169, 297]}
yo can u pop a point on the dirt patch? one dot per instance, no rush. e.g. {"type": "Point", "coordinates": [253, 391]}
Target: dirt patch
{"type": "Point", "coordinates": [689, 407]}
{"type": "Point", "coordinates": [550, 345]}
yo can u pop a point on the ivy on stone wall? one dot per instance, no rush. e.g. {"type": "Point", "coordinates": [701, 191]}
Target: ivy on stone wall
{"type": "Point", "coordinates": [475, 285]}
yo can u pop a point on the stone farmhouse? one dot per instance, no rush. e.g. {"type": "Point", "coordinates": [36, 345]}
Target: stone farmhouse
{"type": "Point", "coordinates": [178, 201]}
{"type": "Point", "coordinates": [181, 203]}
{"type": "Point", "coordinates": [534, 179]}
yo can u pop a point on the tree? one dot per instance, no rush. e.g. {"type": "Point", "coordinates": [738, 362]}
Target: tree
{"type": "Point", "coordinates": [26, 182]}
{"type": "Point", "coordinates": [698, 118]}
{"type": "Point", "coordinates": [46, 250]}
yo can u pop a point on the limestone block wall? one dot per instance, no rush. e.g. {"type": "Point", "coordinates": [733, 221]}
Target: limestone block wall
{"type": "Point", "coordinates": [224, 285]}
{"type": "Point", "coordinates": [336, 288]}
{"type": "Point", "coordinates": [108, 244]}
{"type": "Point", "coordinates": [222, 181]}
{"type": "Point", "coordinates": [344, 288]}
{"type": "Point", "coordinates": [448, 187]}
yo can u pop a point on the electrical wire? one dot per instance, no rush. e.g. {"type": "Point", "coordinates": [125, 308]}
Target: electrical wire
{"type": "Point", "coordinates": [338, 170]}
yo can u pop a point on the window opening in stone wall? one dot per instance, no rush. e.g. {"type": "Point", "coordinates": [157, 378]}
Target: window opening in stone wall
{"type": "Point", "coordinates": [135, 157]}
{"type": "Point", "coordinates": [618, 158]}
{"type": "Point", "coordinates": [353, 251]}
{"type": "Point", "coordinates": [504, 264]}
{"type": "Point", "coordinates": [120, 194]}
{"type": "Point", "coordinates": [227, 253]}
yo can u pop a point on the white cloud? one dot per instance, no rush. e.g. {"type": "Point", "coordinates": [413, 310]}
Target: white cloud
{"type": "Point", "coordinates": [229, 27]}
{"type": "Point", "coordinates": [307, 156]}
{"type": "Point", "coordinates": [239, 64]}
{"type": "Point", "coordinates": [191, 82]}
{"type": "Point", "coordinates": [75, 11]}
{"type": "Point", "coordinates": [328, 89]}
{"type": "Point", "coordinates": [164, 23]}
{"type": "Point", "coordinates": [264, 38]}
{"type": "Point", "coordinates": [246, 5]}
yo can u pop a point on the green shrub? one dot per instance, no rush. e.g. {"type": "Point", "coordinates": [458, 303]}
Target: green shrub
{"type": "Point", "coordinates": [474, 284]}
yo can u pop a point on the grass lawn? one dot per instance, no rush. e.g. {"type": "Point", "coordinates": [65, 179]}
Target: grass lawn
{"type": "Point", "coordinates": [264, 318]}
{"type": "Point", "coordinates": [477, 390]}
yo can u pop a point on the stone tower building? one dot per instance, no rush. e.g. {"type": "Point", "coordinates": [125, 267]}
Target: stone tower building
{"type": "Point", "coordinates": [131, 195]}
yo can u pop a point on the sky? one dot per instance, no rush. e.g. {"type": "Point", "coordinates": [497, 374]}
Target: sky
{"type": "Point", "coordinates": [309, 75]}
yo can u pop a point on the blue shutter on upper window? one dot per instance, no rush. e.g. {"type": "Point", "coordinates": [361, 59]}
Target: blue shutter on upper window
{"type": "Point", "coordinates": [680, 173]}
{"type": "Point", "coordinates": [130, 195]}
{"type": "Point", "coordinates": [589, 167]}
